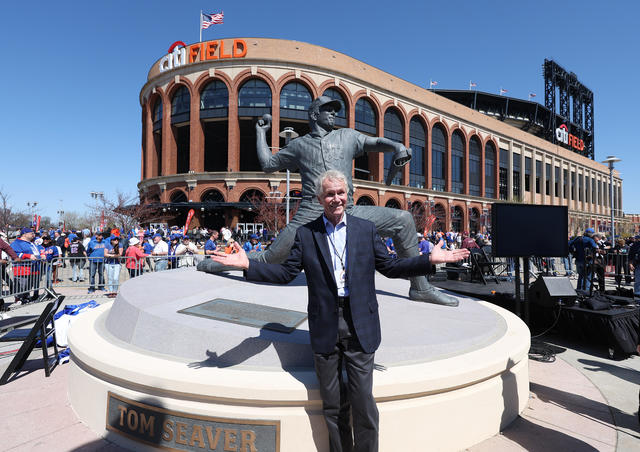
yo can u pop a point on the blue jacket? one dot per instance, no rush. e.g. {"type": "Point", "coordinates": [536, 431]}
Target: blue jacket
{"type": "Point", "coordinates": [578, 245]}
{"type": "Point", "coordinates": [366, 254]}
{"type": "Point", "coordinates": [95, 250]}
{"type": "Point", "coordinates": [25, 250]}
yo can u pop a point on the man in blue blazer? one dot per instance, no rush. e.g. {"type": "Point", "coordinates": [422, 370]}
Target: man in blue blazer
{"type": "Point", "coordinates": [340, 254]}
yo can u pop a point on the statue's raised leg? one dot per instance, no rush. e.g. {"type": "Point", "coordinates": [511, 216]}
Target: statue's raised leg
{"type": "Point", "coordinates": [399, 225]}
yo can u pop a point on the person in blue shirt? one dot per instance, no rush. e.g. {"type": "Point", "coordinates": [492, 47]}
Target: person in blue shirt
{"type": "Point", "coordinates": [390, 248]}
{"type": "Point", "coordinates": [210, 246]}
{"type": "Point", "coordinates": [95, 251]}
{"type": "Point", "coordinates": [583, 248]}
{"type": "Point", "coordinates": [252, 245]}
{"type": "Point", "coordinates": [113, 254]}
{"type": "Point", "coordinates": [50, 251]}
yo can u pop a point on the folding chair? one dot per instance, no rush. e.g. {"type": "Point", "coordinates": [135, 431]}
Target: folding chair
{"type": "Point", "coordinates": [41, 330]}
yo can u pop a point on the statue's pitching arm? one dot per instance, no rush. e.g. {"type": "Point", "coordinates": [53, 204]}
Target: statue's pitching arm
{"type": "Point", "coordinates": [269, 162]}
{"type": "Point", "coordinates": [401, 156]}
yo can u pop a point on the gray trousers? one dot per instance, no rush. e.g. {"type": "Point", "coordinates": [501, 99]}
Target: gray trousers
{"type": "Point", "coordinates": [395, 223]}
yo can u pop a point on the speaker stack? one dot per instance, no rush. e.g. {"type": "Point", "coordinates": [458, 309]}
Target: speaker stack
{"type": "Point", "coordinates": [549, 291]}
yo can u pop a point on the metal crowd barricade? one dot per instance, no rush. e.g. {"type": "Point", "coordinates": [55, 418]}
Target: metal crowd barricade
{"type": "Point", "coordinates": [616, 265]}
{"type": "Point", "coordinates": [28, 281]}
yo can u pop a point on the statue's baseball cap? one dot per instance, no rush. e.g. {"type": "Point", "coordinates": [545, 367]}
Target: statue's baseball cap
{"type": "Point", "coordinates": [325, 100]}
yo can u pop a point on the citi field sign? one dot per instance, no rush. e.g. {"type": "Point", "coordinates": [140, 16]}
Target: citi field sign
{"type": "Point", "coordinates": [180, 54]}
{"type": "Point", "coordinates": [563, 136]}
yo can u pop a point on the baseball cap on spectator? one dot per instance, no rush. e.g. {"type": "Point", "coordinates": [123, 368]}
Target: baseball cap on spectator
{"type": "Point", "coordinates": [174, 237]}
{"type": "Point", "coordinates": [157, 235]}
{"type": "Point", "coordinates": [253, 236]}
{"type": "Point", "coordinates": [133, 241]}
{"type": "Point", "coordinates": [589, 230]}
{"type": "Point", "coordinates": [114, 237]}
{"type": "Point", "coordinates": [72, 237]}
{"type": "Point", "coordinates": [24, 231]}
{"type": "Point", "coordinates": [99, 233]}
{"type": "Point", "coordinates": [637, 237]}
{"type": "Point", "coordinates": [115, 232]}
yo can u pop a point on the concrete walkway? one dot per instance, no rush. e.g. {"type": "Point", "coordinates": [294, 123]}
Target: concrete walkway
{"type": "Point", "coordinates": [582, 401]}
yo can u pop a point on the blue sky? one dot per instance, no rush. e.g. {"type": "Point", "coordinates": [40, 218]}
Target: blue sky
{"type": "Point", "coordinates": [72, 71]}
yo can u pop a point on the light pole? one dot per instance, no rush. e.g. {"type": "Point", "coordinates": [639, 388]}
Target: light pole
{"type": "Point", "coordinates": [288, 133]}
{"type": "Point", "coordinates": [610, 160]}
{"type": "Point", "coordinates": [32, 206]}
{"type": "Point", "coordinates": [98, 195]}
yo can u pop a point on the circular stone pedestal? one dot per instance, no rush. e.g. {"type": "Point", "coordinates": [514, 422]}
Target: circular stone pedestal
{"type": "Point", "coordinates": [143, 373]}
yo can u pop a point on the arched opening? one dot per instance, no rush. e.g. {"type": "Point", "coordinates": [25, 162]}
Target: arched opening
{"type": "Point", "coordinates": [214, 114]}
{"type": "Point", "coordinates": [212, 195]}
{"type": "Point", "coordinates": [157, 135]}
{"type": "Point", "coordinates": [489, 170]}
{"type": "Point", "coordinates": [341, 116]}
{"type": "Point", "coordinates": [419, 214]}
{"type": "Point", "coordinates": [254, 100]}
{"type": "Point", "coordinates": [178, 196]}
{"type": "Point", "coordinates": [440, 223]}
{"type": "Point", "coordinates": [366, 122]}
{"type": "Point", "coordinates": [475, 168]}
{"type": "Point", "coordinates": [438, 158]}
{"type": "Point", "coordinates": [417, 143]}
{"type": "Point", "coordinates": [294, 108]}
{"type": "Point", "coordinates": [393, 204]}
{"type": "Point", "coordinates": [457, 218]}
{"type": "Point", "coordinates": [474, 220]}
{"type": "Point", "coordinates": [393, 130]}
{"type": "Point", "coordinates": [365, 201]}
{"type": "Point", "coordinates": [180, 112]}
{"type": "Point", "coordinates": [457, 162]}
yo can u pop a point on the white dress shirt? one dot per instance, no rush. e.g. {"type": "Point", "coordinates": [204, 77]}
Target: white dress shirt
{"type": "Point", "coordinates": [337, 241]}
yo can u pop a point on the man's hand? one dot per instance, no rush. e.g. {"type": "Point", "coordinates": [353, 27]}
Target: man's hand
{"type": "Point", "coordinates": [238, 259]}
{"type": "Point", "coordinates": [441, 256]}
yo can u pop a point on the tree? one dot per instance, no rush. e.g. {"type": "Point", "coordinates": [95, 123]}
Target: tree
{"type": "Point", "coordinates": [6, 212]}
{"type": "Point", "coordinates": [272, 212]}
{"type": "Point", "coordinates": [124, 212]}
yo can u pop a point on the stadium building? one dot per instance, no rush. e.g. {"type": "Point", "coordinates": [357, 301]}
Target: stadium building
{"type": "Point", "coordinates": [470, 149]}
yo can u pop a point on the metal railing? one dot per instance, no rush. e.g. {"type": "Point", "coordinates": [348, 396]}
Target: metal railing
{"type": "Point", "coordinates": [28, 281]}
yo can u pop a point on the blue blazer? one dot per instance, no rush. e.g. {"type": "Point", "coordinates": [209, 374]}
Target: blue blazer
{"type": "Point", "coordinates": [365, 253]}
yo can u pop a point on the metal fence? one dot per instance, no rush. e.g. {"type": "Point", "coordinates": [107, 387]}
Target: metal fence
{"type": "Point", "coordinates": [28, 281]}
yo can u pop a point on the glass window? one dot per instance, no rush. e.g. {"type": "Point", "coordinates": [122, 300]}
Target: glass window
{"type": "Point", "coordinates": [527, 174]}
{"type": "Point", "coordinates": [214, 95]}
{"type": "Point", "coordinates": [181, 102]}
{"type": "Point", "coordinates": [457, 162]}
{"type": "Point", "coordinates": [489, 170]}
{"type": "Point", "coordinates": [594, 197]}
{"type": "Point", "coordinates": [475, 162]}
{"type": "Point", "coordinates": [581, 189]}
{"type": "Point", "coordinates": [538, 175]}
{"type": "Point", "coordinates": [438, 162]}
{"type": "Point", "coordinates": [556, 183]}
{"type": "Point", "coordinates": [366, 120]}
{"type": "Point", "coordinates": [565, 182]}
{"type": "Point", "coordinates": [573, 185]}
{"type": "Point", "coordinates": [516, 176]}
{"type": "Point", "coordinates": [503, 174]}
{"type": "Point", "coordinates": [254, 93]}
{"type": "Point", "coordinates": [417, 140]}
{"type": "Point", "coordinates": [295, 96]}
{"type": "Point", "coordinates": [157, 111]}
{"type": "Point", "coordinates": [393, 130]}
{"type": "Point", "coordinates": [547, 182]}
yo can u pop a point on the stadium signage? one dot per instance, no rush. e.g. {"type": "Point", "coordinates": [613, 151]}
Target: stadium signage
{"type": "Point", "coordinates": [180, 54]}
{"type": "Point", "coordinates": [563, 136]}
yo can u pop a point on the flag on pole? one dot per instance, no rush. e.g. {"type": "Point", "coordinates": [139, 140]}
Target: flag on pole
{"type": "Point", "coordinates": [502, 91]}
{"type": "Point", "coordinates": [532, 95]}
{"type": "Point", "coordinates": [472, 84]}
{"type": "Point", "coordinates": [211, 19]}
{"type": "Point", "coordinates": [432, 83]}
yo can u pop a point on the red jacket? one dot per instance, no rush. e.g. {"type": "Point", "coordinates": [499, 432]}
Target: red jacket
{"type": "Point", "coordinates": [4, 246]}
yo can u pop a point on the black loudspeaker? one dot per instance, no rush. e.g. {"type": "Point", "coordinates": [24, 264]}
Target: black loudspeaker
{"type": "Point", "coordinates": [548, 291]}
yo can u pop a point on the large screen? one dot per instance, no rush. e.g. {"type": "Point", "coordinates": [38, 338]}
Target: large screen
{"type": "Point", "coordinates": [520, 230]}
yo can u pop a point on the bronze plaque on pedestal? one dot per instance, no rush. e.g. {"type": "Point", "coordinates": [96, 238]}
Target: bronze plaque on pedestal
{"type": "Point", "coordinates": [173, 430]}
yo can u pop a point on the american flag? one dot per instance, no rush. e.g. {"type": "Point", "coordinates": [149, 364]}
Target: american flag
{"type": "Point", "coordinates": [472, 84]}
{"type": "Point", "coordinates": [532, 94]}
{"type": "Point", "coordinates": [433, 83]}
{"type": "Point", "coordinates": [212, 19]}
{"type": "Point", "coordinates": [502, 91]}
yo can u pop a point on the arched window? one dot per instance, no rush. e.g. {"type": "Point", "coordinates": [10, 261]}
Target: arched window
{"type": "Point", "coordinates": [365, 201]}
{"type": "Point", "coordinates": [475, 162]}
{"type": "Point", "coordinates": [214, 100]}
{"type": "Point", "coordinates": [294, 101]}
{"type": "Point", "coordinates": [417, 140]}
{"type": "Point", "coordinates": [180, 105]}
{"type": "Point", "coordinates": [178, 196]}
{"type": "Point", "coordinates": [440, 222]}
{"type": "Point", "coordinates": [341, 116]}
{"type": "Point", "coordinates": [212, 196]}
{"type": "Point", "coordinates": [438, 158]}
{"type": "Point", "coordinates": [252, 196]}
{"type": "Point", "coordinates": [366, 119]}
{"type": "Point", "coordinates": [393, 204]}
{"type": "Point", "coordinates": [457, 162]}
{"type": "Point", "coordinates": [393, 130]}
{"type": "Point", "coordinates": [489, 170]}
{"type": "Point", "coordinates": [254, 98]}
